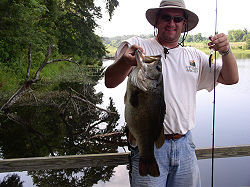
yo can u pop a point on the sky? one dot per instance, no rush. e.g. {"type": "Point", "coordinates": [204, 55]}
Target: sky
{"type": "Point", "coordinates": [129, 18]}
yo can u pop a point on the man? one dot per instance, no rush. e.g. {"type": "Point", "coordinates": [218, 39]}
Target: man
{"type": "Point", "coordinates": [185, 71]}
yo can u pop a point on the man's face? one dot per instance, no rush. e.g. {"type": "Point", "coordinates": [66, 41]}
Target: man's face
{"type": "Point", "coordinates": [170, 31]}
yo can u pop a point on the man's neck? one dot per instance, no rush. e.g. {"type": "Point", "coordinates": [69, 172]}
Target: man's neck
{"type": "Point", "coordinates": [165, 43]}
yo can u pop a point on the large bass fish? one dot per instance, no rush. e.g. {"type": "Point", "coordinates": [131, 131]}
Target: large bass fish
{"type": "Point", "coordinates": [145, 110]}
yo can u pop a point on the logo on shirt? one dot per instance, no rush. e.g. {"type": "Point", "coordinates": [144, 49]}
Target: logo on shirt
{"type": "Point", "coordinates": [192, 67]}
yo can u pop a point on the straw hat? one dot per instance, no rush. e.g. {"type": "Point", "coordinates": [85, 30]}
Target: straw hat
{"type": "Point", "coordinates": [179, 4]}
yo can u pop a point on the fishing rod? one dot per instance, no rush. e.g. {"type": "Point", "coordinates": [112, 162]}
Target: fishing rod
{"type": "Point", "coordinates": [213, 129]}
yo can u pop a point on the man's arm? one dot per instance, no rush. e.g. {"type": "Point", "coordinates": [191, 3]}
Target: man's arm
{"type": "Point", "coordinates": [229, 72]}
{"type": "Point", "coordinates": [119, 70]}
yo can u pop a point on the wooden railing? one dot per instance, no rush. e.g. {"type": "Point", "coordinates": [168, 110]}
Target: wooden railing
{"type": "Point", "coordinates": [107, 159]}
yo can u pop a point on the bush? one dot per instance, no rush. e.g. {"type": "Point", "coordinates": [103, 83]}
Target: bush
{"type": "Point", "coordinates": [247, 46]}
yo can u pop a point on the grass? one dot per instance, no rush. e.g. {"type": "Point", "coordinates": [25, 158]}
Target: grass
{"type": "Point", "coordinates": [111, 50]}
{"type": "Point", "coordinates": [11, 82]}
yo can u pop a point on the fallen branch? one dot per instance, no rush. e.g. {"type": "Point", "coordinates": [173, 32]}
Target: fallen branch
{"type": "Point", "coordinates": [27, 83]}
{"type": "Point", "coordinates": [88, 102]}
{"type": "Point", "coordinates": [101, 136]}
{"type": "Point", "coordinates": [30, 61]}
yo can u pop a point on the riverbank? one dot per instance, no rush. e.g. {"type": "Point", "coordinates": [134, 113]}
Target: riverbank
{"type": "Point", "coordinates": [237, 48]}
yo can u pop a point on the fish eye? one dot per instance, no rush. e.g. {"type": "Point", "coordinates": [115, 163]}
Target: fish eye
{"type": "Point", "coordinates": [158, 68]}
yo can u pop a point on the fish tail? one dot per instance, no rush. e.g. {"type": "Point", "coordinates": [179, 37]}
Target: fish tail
{"type": "Point", "coordinates": [150, 168]}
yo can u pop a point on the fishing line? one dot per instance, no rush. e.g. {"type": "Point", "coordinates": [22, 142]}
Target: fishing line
{"type": "Point", "coordinates": [213, 133]}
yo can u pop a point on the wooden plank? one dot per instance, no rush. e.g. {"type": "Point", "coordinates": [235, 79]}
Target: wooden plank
{"type": "Point", "coordinates": [108, 159]}
{"type": "Point", "coordinates": [223, 151]}
{"type": "Point", "coordinates": [63, 162]}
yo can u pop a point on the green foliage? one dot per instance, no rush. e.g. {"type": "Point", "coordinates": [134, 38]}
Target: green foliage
{"type": "Point", "coordinates": [247, 46]}
{"type": "Point", "coordinates": [189, 38]}
{"type": "Point", "coordinates": [67, 24]}
{"type": "Point", "coordinates": [238, 35]}
{"type": "Point", "coordinates": [117, 40]}
{"type": "Point", "coordinates": [198, 38]}
{"type": "Point", "coordinates": [76, 27]}
{"type": "Point", "coordinates": [18, 20]}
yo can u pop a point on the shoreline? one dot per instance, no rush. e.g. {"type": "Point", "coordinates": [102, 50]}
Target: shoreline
{"type": "Point", "coordinates": [238, 53]}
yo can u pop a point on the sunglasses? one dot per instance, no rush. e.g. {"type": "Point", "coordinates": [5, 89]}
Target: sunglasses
{"type": "Point", "coordinates": [177, 19]}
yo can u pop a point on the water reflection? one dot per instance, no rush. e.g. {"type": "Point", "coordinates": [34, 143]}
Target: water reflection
{"type": "Point", "coordinates": [242, 55]}
{"type": "Point", "coordinates": [64, 120]}
{"type": "Point", "coordinates": [72, 177]}
{"type": "Point", "coordinates": [11, 180]}
{"type": "Point", "coordinates": [62, 126]}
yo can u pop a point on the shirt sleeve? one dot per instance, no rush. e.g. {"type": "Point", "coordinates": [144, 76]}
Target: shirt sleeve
{"type": "Point", "coordinates": [129, 42]}
{"type": "Point", "coordinates": [207, 74]}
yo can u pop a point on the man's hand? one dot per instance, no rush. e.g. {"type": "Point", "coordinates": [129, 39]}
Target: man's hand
{"type": "Point", "coordinates": [229, 72]}
{"type": "Point", "coordinates": [119, 70]}
{"type": "Point", "coordinates": [129, 55]}
{"type": "Point", "coordinates": [219, 42]}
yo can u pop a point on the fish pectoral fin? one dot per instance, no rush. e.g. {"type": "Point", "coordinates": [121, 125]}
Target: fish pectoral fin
{"type": "Point", "coordinates": [160, 140]}
{"type": "Point", "coordinates": [132, 139]}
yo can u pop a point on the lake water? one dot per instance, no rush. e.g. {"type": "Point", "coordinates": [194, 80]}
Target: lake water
{"type": "Point", "coordinates": [232, 127]}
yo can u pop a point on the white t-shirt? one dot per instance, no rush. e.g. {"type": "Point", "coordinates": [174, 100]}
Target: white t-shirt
{"type": "Point", "coordinates": [185, 71]}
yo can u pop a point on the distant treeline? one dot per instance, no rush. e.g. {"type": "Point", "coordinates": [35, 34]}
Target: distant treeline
{"type": "Point", "coordinates": [233, 36]}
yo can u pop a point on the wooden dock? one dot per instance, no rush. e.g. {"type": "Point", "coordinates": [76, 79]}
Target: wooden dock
{"type": "Point", "coordinates": [108, 159]}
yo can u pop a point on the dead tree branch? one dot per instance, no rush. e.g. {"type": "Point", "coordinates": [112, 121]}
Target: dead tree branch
{"type": "Point", "coordinates": [88, 102]}
{"type": "Point", "coordinates": [45, 62]}
{"type": "Point", "coordinates": [28, 82]}
{"type": "Point", "coordinates": [29, 66]}
{"type": "Point", "coordinates": [91, 104]}
{"type": "Point", "coordinates": [101, 136]}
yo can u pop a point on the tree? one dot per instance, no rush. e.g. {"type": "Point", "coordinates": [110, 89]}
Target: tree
{"type": "Point", "coordinates": [247, 46]}
{"type": "Point", "coordinates": [198, 37]}
{"type": "Point", "coordinates": [76, 28]}
{"type": "Point", "coordinates": [17, 20]}
{"type": "Point", "coordinates": [246, 34]}
{"type": "Point", "coordinates": [245, 31]}
{"type": "Point", "coordinates": [235, 35]}
{"type": "Point", "coordinates": [68, 24]}
{"type": "Point", "coordinates": [189, 38]}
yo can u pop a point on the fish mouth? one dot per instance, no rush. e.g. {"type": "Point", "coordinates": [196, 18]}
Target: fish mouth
{"type": "Point", "coordinates": [150, 59]}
